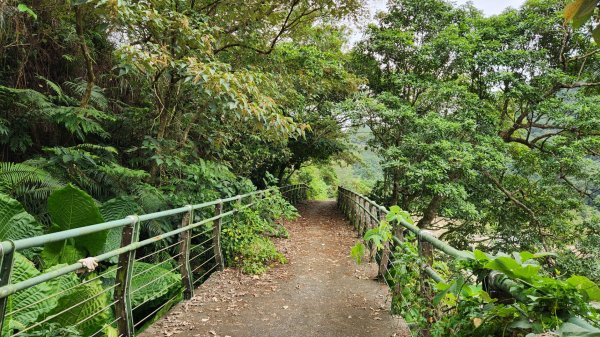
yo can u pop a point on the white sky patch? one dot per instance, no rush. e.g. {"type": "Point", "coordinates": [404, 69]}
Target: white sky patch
{"type": "Point", "coordinates": [493, 7]}
{"type": "Point", "coordinates": [489, 7]}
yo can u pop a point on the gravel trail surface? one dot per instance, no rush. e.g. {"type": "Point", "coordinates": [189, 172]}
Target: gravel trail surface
{"type": "Point", "coordinates": [319, 292]}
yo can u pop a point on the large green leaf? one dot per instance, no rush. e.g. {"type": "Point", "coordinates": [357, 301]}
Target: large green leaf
{"type": "Point", "coordinates": [580, 11]}
{"type": "Point", "coordinates": [61, 252]}
{"type": "Point", "coordinates": [15, 222]}
{"type": "Point", "coordinates": [149, 283]}
{"type": "Point", "coordinates": [86, 305]}
{"type": "Point", "coordinates": [586, 287]}
{"type": "Point", "coordinates": [512, 268]}
{"type": "Point", "coordinates": [31, 304]}
{"type": "Point", "coordinates": [115, 209]}
{"type": "Point", "coordinates": [577, 327]}
{"type": "Point", "coordinates": [71, 208]}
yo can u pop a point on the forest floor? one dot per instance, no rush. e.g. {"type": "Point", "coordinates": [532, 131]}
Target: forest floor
{"type": "Point", "coordinates": [321, 291]}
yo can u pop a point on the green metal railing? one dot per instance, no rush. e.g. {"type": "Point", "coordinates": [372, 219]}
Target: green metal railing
{"type": "Point", "coordinates": [365, 214]}
{"type": "Point", "coordinates": [294, 193]}
{"type": "Point", "coordinates": [193, 251]}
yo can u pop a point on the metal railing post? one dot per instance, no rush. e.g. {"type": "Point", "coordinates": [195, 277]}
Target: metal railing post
{"type": "Point", "coordinates": [426, 253]}
{"type": "Point", "coordinates": [385, 254]}
{"type": "Point", "coordinates": [217, 237]}
{"type": "Point", "coordinates": [353, 213]}
{"type": "Point", "coordinates": [360, 211]}
{"type": "Point", "coordinates": [187, 280]}
{"type": "Point", "coordinates": [5, 271]}
{"type": "Point", "coordinates": [371, 223]}
{"type": "Point", "coordinates": [122, 296]}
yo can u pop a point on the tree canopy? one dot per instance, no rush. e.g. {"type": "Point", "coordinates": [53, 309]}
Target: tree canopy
{"type": "Point", "coordinates": [487, 126]}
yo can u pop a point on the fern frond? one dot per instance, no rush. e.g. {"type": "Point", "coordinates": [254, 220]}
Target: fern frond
{"type": "Point", "coordinates": [55, 87]}
{"type": "Point", "coordinates": [16, 223]}
{"type": "Point", "coordinates": [80, 121]}
{"type": "Point", "coordinates": [115, 209]}
{"type": "Point", "coordinates": [24, 181]}
{"type": "Point", "coordinates": [97, 99]}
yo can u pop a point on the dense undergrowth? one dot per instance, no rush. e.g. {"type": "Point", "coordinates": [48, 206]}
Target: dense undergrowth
{"type": "Point", "coordinates": [467, 302]}
{"type": "Point", "coordinates": [246, 238]}
{"type": "Point", "coordinates": [246, 244]}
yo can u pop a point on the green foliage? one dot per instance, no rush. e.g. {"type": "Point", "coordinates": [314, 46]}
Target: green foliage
{"type": "Point", "coordinates": [72, 208]}
{"type": "Point", "coordinates": [314, 177]}
{"type": "Point", "coordinates": [151, 284]}
{"type": "Point", "coordinates": [511, 295]}
{"type": "Point", "coordinates": [405, 273]}
{"type": "Point", "coordinates": [474, 141]}
{"type": "Point", "coordinates": [24, 9]}
{"type": "Point", "coordinates": [26, 182]}
{"type": "Point", "coordinates": [257, 255]}
{"type": "Point", "coordinates": [90, 310]}
{"type": "Point", "coordinates": [540, 304]}
{"type": "Point", "coordinates": [115, 209]}
{"type": "Point", "coordinates": [543, 303]}
{"type": "Point", "coordinates": [54, 330]}
{"type": "Point", "coordinates": [206, 99]}
{"type": "Point", "coordinates": [357, 252]}
{"type": "Point", "coordinates": [244, 238]}
{"type": "Point", "coordinates": [579, 12]}
{"type": "Point", "coordinates": [15, 222]}
{"type": "Point", "coordinates": [24, 269]}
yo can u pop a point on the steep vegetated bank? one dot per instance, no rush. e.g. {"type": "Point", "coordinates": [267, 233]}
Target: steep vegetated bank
{"type": "Point", "coordinates": [112, 108]}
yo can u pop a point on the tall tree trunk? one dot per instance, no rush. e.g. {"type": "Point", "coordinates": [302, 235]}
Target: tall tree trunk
{"type": "Point", "coordinates": [430, 211]}
{"type": "Point", "coordinates": [395, 189]}
{"type": "Point", "coordinates": [89, 62]}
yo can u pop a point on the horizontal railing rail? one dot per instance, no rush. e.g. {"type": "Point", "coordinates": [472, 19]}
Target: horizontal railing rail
{"type": "Point", "coordinates": [294, 193]}
{"type": "Point", "coordinates": [361, 210]}
{"type": "Point", "coordinates": [187, 255]}
{"type": "Point", "coordinates": [365, 214]}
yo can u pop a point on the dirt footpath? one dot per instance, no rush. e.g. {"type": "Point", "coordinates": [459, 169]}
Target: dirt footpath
{"type": "Point", "coordinates": [320, 292]}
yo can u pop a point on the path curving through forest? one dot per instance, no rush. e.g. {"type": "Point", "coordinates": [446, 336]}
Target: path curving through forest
{"type": "Point", "coordinates": [320, 292]}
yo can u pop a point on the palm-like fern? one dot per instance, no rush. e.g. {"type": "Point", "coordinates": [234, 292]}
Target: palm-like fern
{"type": "Point", "coordinates": [15, 222]}
{"type": "Point", "coordinates": [97, 99]}
{"type": "Point", "coordinates": [22, 181]}
{"type": "Point", "coordinates": [30, 105]}
{"type": "Point", "coordinates": [80, 121]}
{"type": "Point", "coordinates": [93, 168]}
{"type": "Point", "coordinates": [25, 99]}
{"type": "Point", "coordinates": [115, 209]}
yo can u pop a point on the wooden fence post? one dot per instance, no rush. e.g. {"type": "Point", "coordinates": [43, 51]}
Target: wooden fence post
{"type": "Point", "coordinates": [217, 236]}
{"type": "Point", "coordinates": [352, 210]}
{"type": "Point", "coordinates": [344, 203]}
{"type": "Point", "coordinates": [184, 255]}
{"type": "Point", "coordinates": [122, 292]}
{"type": "Point", "coordinates": [357, 215]}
